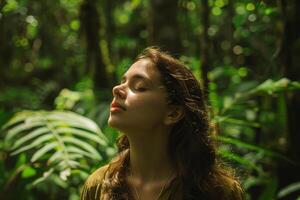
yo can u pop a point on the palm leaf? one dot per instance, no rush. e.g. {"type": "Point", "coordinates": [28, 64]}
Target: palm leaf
{"type": "Point", "coordinates": [239, 159]}
{"type": "Point", "coordinates": [31, 135]}
{"type": "Point", "coordinates": [253, 147]}
{"type": "Point", "coordinates": [62, 139]}
{"type": "Point", "coordinates": [35, 144]}
{"type": "Point", "coordinates": [42, 151]}
{"type": "Point", "coordinates": [289, 189]}
{"type": "Point", "coordinates": [21, 128]}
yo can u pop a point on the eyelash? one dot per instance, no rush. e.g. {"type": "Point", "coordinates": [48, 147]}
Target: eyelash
{"type": "Point", "coordinates": [139, 89]}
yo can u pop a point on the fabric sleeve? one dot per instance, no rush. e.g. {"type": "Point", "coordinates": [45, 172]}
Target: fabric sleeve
{"type": "Point", "coordinates": [91, 189]}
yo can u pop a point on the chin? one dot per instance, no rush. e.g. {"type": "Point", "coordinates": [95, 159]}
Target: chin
{"type": "Point", "coordinates": [119, 126]}
{"type": "Point", "coordinates": [113, 123]}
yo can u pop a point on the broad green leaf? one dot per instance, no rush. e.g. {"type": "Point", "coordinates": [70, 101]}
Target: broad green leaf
{"type": "Point", "coordinates": [57, 156]}
{"type": "Point", "coordinates": [236, 121]}
{"type": "Point", "coordinates": [251, 182]}
{"type": "Point", "coordinates": [42, 151]}
{"type": "Point", "coordinates": [83, 145]}
{"type": "Point", "coordinates": [289, 189]}
{"type": "Point", "coordinates": [68, 164]}
{"type": "Point", "coordinates": [58, 181]}
{"type": "Point", "coordinates": [84, 134]}
{"type": "Point", "coordinates": [45, 176]}
{"type": "Point", "coordinates": [28, 172]}
{"type": "Point", "coordinates": [65, 137]}
{"type": "Point", "coordinates": [74, 149]}
{"type": "Point", "coordinates": [239, 159]}
{"type": "Point", "coordinates": [17, 118]}
{"type": "Point", "coordinates": [57, 124]}
{"type": "Point", "coordinates": [74, 156]}
{"type": "Point", "coordinates": [74, 118]}
{"type": "Point", "coordinates": [252, 147]}
{"type": "Point", "coordinates": [271, 86]}
{"type": "Point", "coordinates": [35, 143]}
{"type": "Point", "coordinates": [29, 136]}
{"type": "Point", "coordinates": [20, 128]}
{"type": "Point", "coordinates": [61, 156]}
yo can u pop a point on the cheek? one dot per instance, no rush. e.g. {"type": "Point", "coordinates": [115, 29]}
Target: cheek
{"type": "Point", "coordinates": [152, 104]}
{"type": "Point", "coordinates": [148, 102]}
{"type": "Point", "coordinates": [143, 112]}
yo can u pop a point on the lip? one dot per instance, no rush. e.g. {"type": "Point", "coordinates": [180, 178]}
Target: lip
{"type": "Point", "coordinates": [115, 106]}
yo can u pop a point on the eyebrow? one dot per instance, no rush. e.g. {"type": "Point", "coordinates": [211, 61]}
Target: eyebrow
{"type": "Point", "coordinates": [138, 76]}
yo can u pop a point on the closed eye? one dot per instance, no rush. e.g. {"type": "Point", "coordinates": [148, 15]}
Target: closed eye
{"type": "Point", "coordinates": [140, 89]}
{"type": "Point", "coordinates": [139, 86]}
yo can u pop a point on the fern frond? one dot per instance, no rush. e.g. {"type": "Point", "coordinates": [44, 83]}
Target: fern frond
{"type": "Point", "coordinates": [61, 139]}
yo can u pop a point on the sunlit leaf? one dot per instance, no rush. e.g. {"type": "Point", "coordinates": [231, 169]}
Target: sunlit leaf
{"type": "Point", "coordinates": [289, 189]}
{"type": "Point", "coordinates": [28, 172]}
{"type": "Point", "coordinates": [248, 146]}
{"type": "Point", "coordinates": [42, 151]}
{"type": "Point", "coordinates": [271, 86]}
{"type": "Point", "coordinates": [37, 132]}
{"type": "Point", "coordinates": [61, 139]}
{"type": "Point", "coordinates": [239, 159]}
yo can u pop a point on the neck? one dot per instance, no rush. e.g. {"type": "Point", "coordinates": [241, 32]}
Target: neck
{"type": "Point", "coordinates": [149, 158]}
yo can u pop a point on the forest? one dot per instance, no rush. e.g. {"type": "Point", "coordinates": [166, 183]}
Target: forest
{"type": "Point", "coordinates": [59, 60]}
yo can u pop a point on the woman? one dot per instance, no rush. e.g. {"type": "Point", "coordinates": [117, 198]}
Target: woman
{"type": "Point", "coordinates": [166, 151]}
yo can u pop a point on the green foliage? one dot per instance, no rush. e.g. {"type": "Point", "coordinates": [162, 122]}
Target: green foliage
{"type": "Point", "coordinates": [272, 87]}
{"type": "Point", "coordinates": [63, 142]}
{"type": "Point", "coordinates": [289, 189]}
{"type": "Point", "coordinates": [45, 65]}
{"type": "Point", "coordinates": [240, 117]}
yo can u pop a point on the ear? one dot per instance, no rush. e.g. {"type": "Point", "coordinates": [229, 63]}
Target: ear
{"type": "Point", "coordinates": [174, 114]}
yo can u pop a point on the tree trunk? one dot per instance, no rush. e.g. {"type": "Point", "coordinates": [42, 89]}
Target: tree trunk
{"type": "Point", "coordinates": [288, 59]}
{"type": "Point", "coordinates": [107, 30]}
{"type": "Point", "coordinates": [163, 25]}
{"type": "Point", "coordinates": [204, 54]}
{"type": "Point", "coordinates": [90, 26]}
{"type": "Point", "coordinates": [230, 31]}
{"type": "Point", "coordinates": [6, 46]}
{"type": "Point", "coordinates": [110, 27]}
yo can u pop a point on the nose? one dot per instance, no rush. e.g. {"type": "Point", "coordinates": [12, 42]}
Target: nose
{"type": "Point", "coordinates": [119, 91]}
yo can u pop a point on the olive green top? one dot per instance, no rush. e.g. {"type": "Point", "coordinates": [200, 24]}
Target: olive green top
{"type": "Point", "coordinates": [93, 190]}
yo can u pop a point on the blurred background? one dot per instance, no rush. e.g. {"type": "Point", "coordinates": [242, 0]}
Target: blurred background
{"type": "Point", "coordinates": [59, 60]}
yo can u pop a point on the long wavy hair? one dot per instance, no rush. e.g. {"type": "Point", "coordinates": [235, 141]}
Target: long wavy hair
{"type": "Point", "coordinates": [199, 172]}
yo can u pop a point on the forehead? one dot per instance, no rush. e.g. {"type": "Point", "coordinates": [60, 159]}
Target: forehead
{"type": "Point", "coordinates": [144, 67]}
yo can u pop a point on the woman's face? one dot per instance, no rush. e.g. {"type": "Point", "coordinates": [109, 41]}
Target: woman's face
{"type": "Point", "coordinates": [140, 100]}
